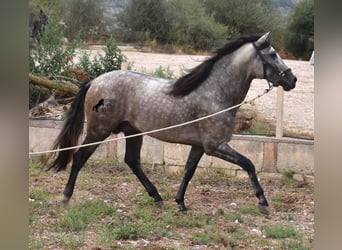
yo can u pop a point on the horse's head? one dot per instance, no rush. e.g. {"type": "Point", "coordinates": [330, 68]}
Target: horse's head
{"type": "Point", "coordinates": [274, 69]}
{"type": "Point", "coordinates": [43, 17]}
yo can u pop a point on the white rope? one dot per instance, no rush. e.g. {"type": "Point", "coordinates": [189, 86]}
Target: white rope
{"type": "Point", "coordinates": [155, 130]}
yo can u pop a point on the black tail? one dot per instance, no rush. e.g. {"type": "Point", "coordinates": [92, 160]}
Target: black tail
{"type": "Point", "coordinates": [71, 131]}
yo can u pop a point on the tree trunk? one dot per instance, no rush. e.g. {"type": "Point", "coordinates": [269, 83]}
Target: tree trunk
{"type": "Point", "coordinates": [41, 81]}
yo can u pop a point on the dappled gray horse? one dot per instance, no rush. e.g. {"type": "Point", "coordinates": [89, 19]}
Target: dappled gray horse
{"type": "Point", "coordinates": [142, 103]}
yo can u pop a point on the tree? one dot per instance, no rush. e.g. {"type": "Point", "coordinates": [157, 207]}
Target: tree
{"type": "Point", "coordinates": [299, 38]}
{"type": "Point", "coordinates": [144, 20]}
{"type": "Point", "coordinates": [85, 19]}
{"type": "Point", "coordinates": [182, 22]}
{"type": "Point", "coordinates": [245, 16]}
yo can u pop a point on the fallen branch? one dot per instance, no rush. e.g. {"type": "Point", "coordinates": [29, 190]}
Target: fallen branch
{"type": "Point", "coordinates": [64, 86]}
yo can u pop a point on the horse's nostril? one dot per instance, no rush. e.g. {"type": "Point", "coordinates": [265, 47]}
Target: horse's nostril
{"type": "Point", "coordinates": [295, 79]}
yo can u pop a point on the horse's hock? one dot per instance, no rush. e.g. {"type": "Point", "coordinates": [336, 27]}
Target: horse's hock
{"type": "Point", "coordinates": [269, 155]}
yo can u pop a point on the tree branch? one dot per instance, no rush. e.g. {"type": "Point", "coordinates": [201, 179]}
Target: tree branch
{"type": "Point", "coordinates": [41, 81]}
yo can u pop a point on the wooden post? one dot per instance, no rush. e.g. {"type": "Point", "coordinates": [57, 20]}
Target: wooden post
{"type": "Point", "coordinates": [280, 112]}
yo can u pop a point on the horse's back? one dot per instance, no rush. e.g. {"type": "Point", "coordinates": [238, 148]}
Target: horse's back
{"type": "Point", "coordinates": [127, 84]}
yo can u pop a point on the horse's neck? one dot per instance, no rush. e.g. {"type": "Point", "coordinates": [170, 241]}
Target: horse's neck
{"type": "Point", "coordinates": [233, 79]}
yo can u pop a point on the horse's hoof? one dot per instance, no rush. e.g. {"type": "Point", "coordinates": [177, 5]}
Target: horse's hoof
{"type": "Point", "coordinates": [264, 210]}
{"type": "Point", "coordinates": [159, 204]}
{"type": "Point", "coordinates": [65, 200]}
{"type": "Point", "coordinates": [182, 207]}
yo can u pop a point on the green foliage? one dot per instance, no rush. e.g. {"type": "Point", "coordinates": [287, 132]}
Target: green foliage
{"type": "Point", "coordinates": [163, 72]}
{"type": "Point", "coordinates": [202, 238]}
{"type": "Point", "coordinates": [112, 60]}
{"type": "Point", "coordinates": [176, 21]}
{"type": "Point", "coordinates": [72, 241]}
{"type": "Point", "coordinates": [48, 58]}
{"type": "Point", "coordinates": [85, 19]}
{"type": "Point", "coordinates": [280, 231]}
{"type": "Point", "coordinates": [192, 25]}
{"type": "Point", "coordinates": [46, 55]}
{"type": "Point", "coordinates": [245, 16]}
{"type": "Point", "coordinates": [78, 217]}
{"type": "Point", "coordinates": [299, 38]}
{"type": "Point", "coordinates": [144, 20]}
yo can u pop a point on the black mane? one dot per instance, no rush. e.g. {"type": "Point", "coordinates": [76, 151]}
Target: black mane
{"type": "Point", "coordinates": [189, 82]}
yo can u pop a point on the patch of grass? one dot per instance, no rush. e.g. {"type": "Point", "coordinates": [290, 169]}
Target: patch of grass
{"type": "Point", "coordinates": [192, 219]}
{"type": "Point", "coordinates": [289, 175]}
{"type": "Point", "coordinates": [72, 240]}
{"type": "Point", "coordinates": [295, 244]}
{"type": "Point", "coordinates": [249, 209]}
{"type": "Point", "coordinates": [78, 217]}
{"type": "Point", "coordinates": [234, 217]}
{"type": "Point", "coordinates": [36, 243]}
{"type": "Point", "coordinates": [35, 165]}
{"type": "Point", "coordinates": [126, 231]}
{"type": "Point", "coordinates": [260, 128]}
{"type": "Point", "coordinates": [141, 198]}
{"type": "Point", "coordinates": [280, 231]}
{"type": "Point", "coordinates": [238, 235]}
{"type": "Point", "coordinates": [38, 194]}
{"type": "Point", "coordinates": [202, 238]}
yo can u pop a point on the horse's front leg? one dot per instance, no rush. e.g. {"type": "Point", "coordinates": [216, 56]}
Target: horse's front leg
{"type": "Point", "coordinates": [190, 167]}
{"type": "Point", "coordinates": [225, 152]}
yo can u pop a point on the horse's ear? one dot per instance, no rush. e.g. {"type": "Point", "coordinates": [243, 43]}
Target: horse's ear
{"type": "Point", "coordinates": [264, 38]}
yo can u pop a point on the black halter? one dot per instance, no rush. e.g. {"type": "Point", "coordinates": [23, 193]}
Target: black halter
{"type": "Point", "coordinates": [265, 45]}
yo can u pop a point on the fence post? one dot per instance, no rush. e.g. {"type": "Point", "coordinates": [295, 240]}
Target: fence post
{"type": "Point", "coordinates": [280, 112]}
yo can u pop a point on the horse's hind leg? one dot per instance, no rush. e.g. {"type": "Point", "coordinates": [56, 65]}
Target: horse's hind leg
{"type": "Point", "coordinates": [132, 158]}
{"type": "Point", "coordinates": [225, 152]}
{"type": "Point", "coordinates": [79, 159]}
{"type": "Point", "coordinates": [190, 167]}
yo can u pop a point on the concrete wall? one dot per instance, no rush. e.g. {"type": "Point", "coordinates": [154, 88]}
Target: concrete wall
{"type": "Point", "coordinates": [268, 154]}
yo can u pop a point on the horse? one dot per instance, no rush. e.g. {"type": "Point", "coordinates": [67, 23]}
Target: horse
{"type": "Point", "coordinates": [143, 103]}
{"type": "Point", "coordinates": [37, 23]}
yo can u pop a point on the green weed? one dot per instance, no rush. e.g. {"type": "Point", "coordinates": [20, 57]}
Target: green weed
{"type": "Point", "coordinates": [296, 244]}
{"type": "Point", "coordinates": [280, 231]}
{"type": "Point", "coordinates": [249, 209]}
{"type": "Point", "coordinates": [161, 72]}
{"type": "Point", "coordinates": [202, 238]}
{"type": "Point", "coordinates": [71, 240]}
{"type": "Point", "coordinates": [79, 216]}
{"type": "Point", "coordinates": [165, 73]}
{"type": "Point", "coordinates": [38, 194]}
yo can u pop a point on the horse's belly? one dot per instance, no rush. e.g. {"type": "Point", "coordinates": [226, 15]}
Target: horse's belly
{"type": "Point", "coordinates": [179, 135]}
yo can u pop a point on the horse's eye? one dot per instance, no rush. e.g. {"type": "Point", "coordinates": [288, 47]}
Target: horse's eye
{"type": "Point", "coordinates": [273, 55]}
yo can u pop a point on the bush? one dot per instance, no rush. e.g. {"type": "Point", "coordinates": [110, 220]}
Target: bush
{"type": "Point", "coordinates": [112, 60]}
{"type": "Point", "coordinates": [48, 58]}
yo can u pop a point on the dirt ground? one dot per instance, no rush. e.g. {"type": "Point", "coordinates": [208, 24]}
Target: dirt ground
{"type": "Point", "coordinates": [226, 205]}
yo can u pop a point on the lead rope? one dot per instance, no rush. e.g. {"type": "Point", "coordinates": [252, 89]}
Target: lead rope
{"type": "Point", "coordinates": [270, 87]}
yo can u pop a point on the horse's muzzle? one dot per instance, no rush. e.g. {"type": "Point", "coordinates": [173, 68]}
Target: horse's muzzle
{"type": "Point", "coordinates": [287, 80]}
